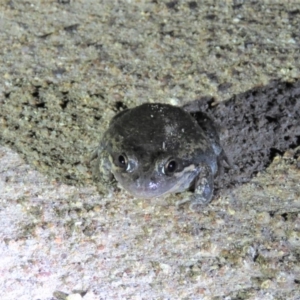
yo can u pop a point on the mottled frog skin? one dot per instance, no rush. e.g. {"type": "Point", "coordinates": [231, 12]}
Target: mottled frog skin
{"type": "Point", "coordinates": [155, 149]}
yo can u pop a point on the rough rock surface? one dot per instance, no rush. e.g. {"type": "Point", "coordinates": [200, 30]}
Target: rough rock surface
{"type": "Point", "coordinates": [66, 68]}
{"type": "Point", "coordinates": [254, 126]}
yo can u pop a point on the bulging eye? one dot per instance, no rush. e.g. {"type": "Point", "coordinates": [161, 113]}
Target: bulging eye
{"type": "Point", "coordinates": [122, 161]}
{"type": "Point", "coordinates": [170, 167]}
{"type": "Point", "coordinates": [125, 163]}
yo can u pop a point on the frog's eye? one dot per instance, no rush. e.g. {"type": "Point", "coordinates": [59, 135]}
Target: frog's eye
{"type": "Point", "coordinates": [122, 161]}
{"type": "Point", "coordinates": [170, 167]}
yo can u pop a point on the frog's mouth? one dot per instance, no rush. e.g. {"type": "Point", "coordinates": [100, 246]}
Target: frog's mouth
{"type": "Point", "coordinates": [144, 188]}
{"type": "Point", "coordinates": [148, 190]}
{"type": "Point", "coordinates": [155, 186]}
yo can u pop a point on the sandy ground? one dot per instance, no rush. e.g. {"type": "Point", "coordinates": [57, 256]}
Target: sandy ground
{"type": "Point", "coordinates": [66, 68]}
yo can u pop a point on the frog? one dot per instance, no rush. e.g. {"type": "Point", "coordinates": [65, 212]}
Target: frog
{"type": "Point", "coordinates": [157, 149]}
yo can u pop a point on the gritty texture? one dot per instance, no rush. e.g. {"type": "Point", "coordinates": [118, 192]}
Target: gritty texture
{"type": "Point", "coordinates": [66, 68]}
{"type": "Point", "coordinates": [56, 237]}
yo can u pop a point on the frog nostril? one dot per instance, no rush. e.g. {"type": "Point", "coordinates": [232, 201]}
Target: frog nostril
{"type": "Point", "coordinates": [135, 177]}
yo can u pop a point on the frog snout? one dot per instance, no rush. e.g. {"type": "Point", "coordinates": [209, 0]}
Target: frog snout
{"type": "Point", "coordinates": [146, 187]}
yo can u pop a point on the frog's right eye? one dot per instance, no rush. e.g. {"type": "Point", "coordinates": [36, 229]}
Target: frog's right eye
{"type": "Point", "coordinates": [122, 161]}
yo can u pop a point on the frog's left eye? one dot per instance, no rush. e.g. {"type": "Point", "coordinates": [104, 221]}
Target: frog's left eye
{"type": "Point", "coordinates": [170, 167]}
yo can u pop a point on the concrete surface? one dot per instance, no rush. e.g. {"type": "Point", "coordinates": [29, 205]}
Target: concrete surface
{"type": "Point", "coordinates": [66, 68]}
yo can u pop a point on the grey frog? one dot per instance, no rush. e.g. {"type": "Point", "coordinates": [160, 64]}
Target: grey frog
{"type": "Point", "coordinates": [155, 149]}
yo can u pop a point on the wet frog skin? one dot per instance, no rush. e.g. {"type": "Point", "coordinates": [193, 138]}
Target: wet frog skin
{"type": "Point", "coordinates": [156, 149]}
